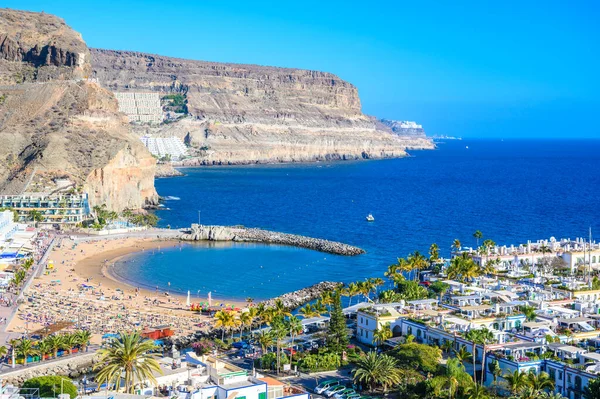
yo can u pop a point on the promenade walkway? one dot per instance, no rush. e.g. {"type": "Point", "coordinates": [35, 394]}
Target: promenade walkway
{"type": "Point", "coordinates": [10, 311]}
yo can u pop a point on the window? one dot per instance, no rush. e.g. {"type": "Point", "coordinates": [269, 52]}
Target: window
{"type": "Point", "coordinates": [366, 322]}
{"type": "Point", "coordinates": [367, 334]}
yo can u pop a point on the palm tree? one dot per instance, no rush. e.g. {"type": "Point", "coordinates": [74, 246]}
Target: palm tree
{"type": "Point", "coordinates": [474, 337]}
{"type": "Point", "coordinates": [417, 262]}
{"type": "Point", "coordinates": [375, 283]}
{"type": "Point", "coordinates": [455, 376]}
{"type": "Point", "coordinates": [224, 320]}
{"type": "Point", "coordinates": [3, 351]}
{"type": "Point", "coordinates": [295, 327]}
{"type": "Point", "coordinates": [447, 346]}
{"type": "Point", "coordinates": [540, 382]}
{"type": "Point", "coordinates": [308, 311]}
{"type": "Point", "coordinates": [484, 338]}
{"type": "Point", "coordinates": [456, 245]}
{"type": "Point", "coordinates": [434, 254]}
{"type": "Point", "coordinates": [382, 334]}
{"type": "Point", "coordinates": [69, 342]}
{"type": "Point", "coordinates": [376, 370]}
{"type": "Point", "coordinates": [55, 342]}
{"type": "Point", "coordinates": [280, 309]}
{"type": "Point", "coordinates": [83, 338]}
{"type": "Point", "coordinates": [279, 332]}
{"type": "Point", "coordinates": [517, 381]}
{"type": "Point", "coordinates": [352, 290]}
{"type": "Point", "coordinates": [245, 320]}
{"type": "Point", "coordinates": [478, 235]}
{"type": "Point", "coordinates": [463, 355]}
{"type": "Point", "coordinates": [43, 349]}
{"type": "Point", "coordinates": [476, 391]}
{"type": "Point", "coordinates": [529, 312]}
{"type": "Point", "coordinates": [24, 347]}
{"type": "Point", "coordinates": [36, 216]}
{"type": "Point", "coordinates": [130, 353]}
{"type": "Point", "coordinates": [265, 339]}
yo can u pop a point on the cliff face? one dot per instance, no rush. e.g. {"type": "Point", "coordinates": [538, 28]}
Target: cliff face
{"type": "Point", "coordinates": [54, 125]}
{"type": "Point", "coordinates": [250, 113]}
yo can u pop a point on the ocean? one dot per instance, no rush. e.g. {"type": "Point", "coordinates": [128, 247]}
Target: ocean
{"type": "Point", "coordinates": [511, 190]}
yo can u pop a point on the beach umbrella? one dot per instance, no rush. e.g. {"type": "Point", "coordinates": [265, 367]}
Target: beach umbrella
{"type": "Point", "coordinates": [187, 302]}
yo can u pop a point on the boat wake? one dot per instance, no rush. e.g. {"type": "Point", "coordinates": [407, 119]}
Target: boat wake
{"type": "Point", "coordinates": [171, 198]}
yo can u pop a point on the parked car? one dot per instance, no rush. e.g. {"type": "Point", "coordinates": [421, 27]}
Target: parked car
{"type": "Point", "coordinates": [240, 345]}
{"type": "Point", "coordinates": [344, 393]}
{"type": "Point", "coordinates": [333, 390]}
{"type": "Point", "coordinates": [323, 386]}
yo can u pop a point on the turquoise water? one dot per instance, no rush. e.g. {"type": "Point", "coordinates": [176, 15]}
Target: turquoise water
{"type": "Point", "coordinates": [510, 190]}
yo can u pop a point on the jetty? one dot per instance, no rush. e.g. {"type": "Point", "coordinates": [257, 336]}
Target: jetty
{"type": "Point", "coordinates": [295, 299]}
{"type": "Point", "coordinates": [242, 234]}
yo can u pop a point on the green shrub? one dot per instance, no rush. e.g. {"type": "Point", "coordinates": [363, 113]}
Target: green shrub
{"type": "Point", "coordinates": [50, 386]}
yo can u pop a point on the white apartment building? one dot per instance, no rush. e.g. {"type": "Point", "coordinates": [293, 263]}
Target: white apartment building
{"type": "Point", "coordinates": [8, 227]}
{"type": "Point", "coordinates": [140, 107]}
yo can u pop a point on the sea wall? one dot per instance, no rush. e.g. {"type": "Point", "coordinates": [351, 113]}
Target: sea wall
{"type": "Point", "coordinates": [71, 367]}
{"type": "Point", "coordinates": [293, 300]}
{"type": "Point", "coordinates": [242, 234]}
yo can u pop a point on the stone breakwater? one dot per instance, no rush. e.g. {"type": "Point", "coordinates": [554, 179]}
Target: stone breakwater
{"type": "Point", "coordinates": [71, 367]}
{"type": "Point", "coordinates": [242, 234]}
{"type": "Point", "coordinates": [293, 300]}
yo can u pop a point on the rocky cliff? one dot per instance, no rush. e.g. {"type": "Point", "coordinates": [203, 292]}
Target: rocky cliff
{"type": "Point", "coordinates": [249, 113]}
{"type": "Point", "coordinates": [55, 125]}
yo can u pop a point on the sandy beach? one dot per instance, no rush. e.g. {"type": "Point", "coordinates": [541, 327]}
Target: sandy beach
{"type": "Point", "coordinates": [80, 289]}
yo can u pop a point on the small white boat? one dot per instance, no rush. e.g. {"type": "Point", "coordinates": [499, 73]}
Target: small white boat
{"type": "Point", "coordinates": [370, 218]}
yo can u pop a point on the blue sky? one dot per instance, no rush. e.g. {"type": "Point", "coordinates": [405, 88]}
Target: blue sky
{"type": "Point", "coordinates": [467, 68]}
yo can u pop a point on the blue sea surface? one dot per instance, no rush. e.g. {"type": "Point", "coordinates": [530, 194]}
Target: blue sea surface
{"type": "Point", "coordinates": [512, 190]}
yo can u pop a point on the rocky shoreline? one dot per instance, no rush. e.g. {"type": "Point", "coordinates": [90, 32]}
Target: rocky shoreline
{"type": "Point", "coordinates": [242, 234]}
{"type": "Point", "coordinates": [293, 300]}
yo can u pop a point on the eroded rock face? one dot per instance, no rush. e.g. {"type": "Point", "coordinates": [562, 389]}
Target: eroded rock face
{"type": "Point", "coordinates": [55, 125]}
{"type": "Point", "coordinates": [249, 113]}
{"type": "Point", "coordinates": [40, 47]}
{"type": "Point", "coordinates": [73, 130]}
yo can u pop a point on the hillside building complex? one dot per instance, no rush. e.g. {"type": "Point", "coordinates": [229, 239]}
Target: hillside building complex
{"type": "Point", "coordinates": [54, 208]}
{"type": "Point", "coordinates": [140, 107]}
{"type": "Point", "coordinates": [162, 147]}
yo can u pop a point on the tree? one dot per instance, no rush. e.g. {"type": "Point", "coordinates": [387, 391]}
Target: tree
{"type": "Point", "coordinates": [3, 351]}
{"type": "Point", "coordinates": [83, 338]}
{"type": "Point", "coordinates": [43, 349]}
{"type": "Point", "coordinates": [389, 296]}
{"type": "Point", "coordinates": [337, 336]}
{"type": "Point", "coordinates": [245, 320]}
{"type": "Point", "coordinates": [496, 370]}
{"type": "Point", "coordinates": [50, 386]}
{"type": "Point", "coordinates": [36, 216]}
{"type": "Point", "coordinates": [279, 332]}
{"type": "Point", "coordinates": [411, 290]}
{"type": "Point", "coordinates": [463, 355]}
{"type": "Point", "coordinates": [540, 382]}
{"type": "Point", "coordinates": [69, 342]}
{"type": "Point", "coordinates": [351, 291]}
{"type": "Point", "coordinates": [529, 312]}
{"type": "Point", "coordinates": [434, 254]}
{"type": "Point", "coordinates": [129, 353]}
{"type": "Point", "coordinates": [417, 262]}
{"type": "Point", "coordinates": [295, 327]}
{"type": "Point", "coordinates": [382, 334]}
{"type": "Point", "coordinates": [375, 370]}
{"type": "Point", "coordinates": [279, 309]}
{"type": "Point", "coordinates": [416, 356]}
{"type": "Point", "coordinates": [308, 311]}
{"type": "Point", "coordinates": [516, 381]}
{"type": "Point", "coordinates": [24, 347]}
{"type": "Point", "coordinates": [455, 377]}
{"type": "Point", "coordinates": [265, 339]}
{"type": "Point", "coordinates": [456, 245]}
{"type": "Point", "coordinates": [224, 320]}
{"type": "Point", "coordinates": [592, 391]}
{"type": "Point", "coordinates": [55, 342]}
{"type": "Point", "coordinates": [476, 391]}
{"type": "Point", "coordinates": [478, 235]}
